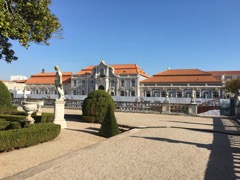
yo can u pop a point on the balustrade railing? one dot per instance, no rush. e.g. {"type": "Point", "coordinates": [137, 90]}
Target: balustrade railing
{"type": "Point", "coordinates": [146, 106]}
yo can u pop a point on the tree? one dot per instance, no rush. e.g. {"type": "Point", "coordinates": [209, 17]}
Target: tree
{"type": "Point", "coordinates": [233, 86]}
{"type": "Point", "coordinates": [109, 125]}
{"type": "Point", "coordinates": [26, 21]}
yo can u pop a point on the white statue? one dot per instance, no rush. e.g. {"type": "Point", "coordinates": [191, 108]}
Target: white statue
{"type": "Point", "coordinates": [58, 83]}
{"type": "Point", "coordinates": [238, 98]}
{"type": "Point", "coordinates": [193, 97]}
{"type": "Point", "coordinates": [166, 100]}
{"type": "Point", "coordinates": [24, 94]}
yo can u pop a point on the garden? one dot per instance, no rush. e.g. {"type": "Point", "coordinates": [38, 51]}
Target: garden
{"type": "Point", "coordinates": [16, 132]}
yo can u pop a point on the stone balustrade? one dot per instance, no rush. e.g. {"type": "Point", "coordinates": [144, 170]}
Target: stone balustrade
{"type": "Point", "coordinates": [146, 106]}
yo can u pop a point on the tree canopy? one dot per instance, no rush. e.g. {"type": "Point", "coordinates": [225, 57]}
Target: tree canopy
{"type": "Point", "coordinates": [233, 86]}
{"type": "Point", "coordinates": [26, 21]}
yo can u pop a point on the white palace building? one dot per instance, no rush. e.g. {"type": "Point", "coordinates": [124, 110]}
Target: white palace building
{"type": "Point", "coordinates": [129, 80]}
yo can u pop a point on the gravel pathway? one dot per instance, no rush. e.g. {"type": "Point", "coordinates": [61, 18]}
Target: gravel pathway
{"type": "Point", "coordinates": [169, 147]}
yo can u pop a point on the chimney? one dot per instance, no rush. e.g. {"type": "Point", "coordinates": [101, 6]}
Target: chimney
{"type": "Point", "coordinates": [43, 70]}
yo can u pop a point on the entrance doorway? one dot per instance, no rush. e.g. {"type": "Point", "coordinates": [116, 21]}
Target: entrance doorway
{"type": "Point", "coordinates": [101, 87]}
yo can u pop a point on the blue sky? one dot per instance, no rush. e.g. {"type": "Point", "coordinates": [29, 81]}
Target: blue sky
{"type": "Point", "coordinates": [155, 34]}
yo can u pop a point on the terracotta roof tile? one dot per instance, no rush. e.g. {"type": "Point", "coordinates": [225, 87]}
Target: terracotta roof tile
{"type": "Point", "coordinates": [48, 78]}
{"type": "Point", "coordinates": [182, 76]}
{"type": "Point", "coordinates": [219, 73]}
{"type": "Point", "coordinates": [118, 69]}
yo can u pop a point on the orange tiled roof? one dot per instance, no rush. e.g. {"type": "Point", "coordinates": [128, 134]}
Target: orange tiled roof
{"type": "Point", "coordinates": [48, 78]}
{"type": "Point", "coordinates": [182, 76]}
{"type": "Point", "coordinates": [219, 73]}
{"type": "Point", "coordinates": [120, 69]}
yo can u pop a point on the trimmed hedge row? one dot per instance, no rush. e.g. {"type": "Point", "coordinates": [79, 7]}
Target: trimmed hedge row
{"type": "Point", "coordinates": [45, 118]}
{"type": "Point", "coordinates": [4, 124]}
{"type": "Point", "coordinates": [12, 117]}
{"type": "Point", "coordinates": [10, 110]}
{"type": "Point", "coordinates": [25, 137]}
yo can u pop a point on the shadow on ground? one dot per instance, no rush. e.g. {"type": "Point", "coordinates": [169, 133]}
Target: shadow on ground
{"type": "Point", "coordinates": [224, 159]}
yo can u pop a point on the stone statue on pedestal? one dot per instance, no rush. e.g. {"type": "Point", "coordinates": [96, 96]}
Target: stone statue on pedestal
{"type": "Point", "coordinates": [238, 98]}
{"type": "Point", "coordinates": [58, 83]}
{"type": "Point", "coordinates": [193, 97]}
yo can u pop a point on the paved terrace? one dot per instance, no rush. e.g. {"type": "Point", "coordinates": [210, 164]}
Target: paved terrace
{"type": "Point", "coordinates": [160, 147]}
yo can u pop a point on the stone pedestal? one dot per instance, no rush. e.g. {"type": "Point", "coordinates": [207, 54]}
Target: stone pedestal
{"type": "Point", "coordinates": [59, 113]}
{"type": "Point", "coordinates": [166, 108]}
{"type": "Point", "coordinates": [192, 109]}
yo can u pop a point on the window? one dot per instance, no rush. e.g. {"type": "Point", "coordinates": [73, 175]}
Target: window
{"type": "Point", "coordinates": [197, 94]}
{"type": "Point", "coordinates": [102, 72]}
{"type": "Point", "coordinates": [74, 92]}
{"type": "Point", "coordinates": [83, 83]}
{"type": "Point", "coordinates": [133, 83]}
{"type": "Point", "coordinates": [83, 92]}
{"type": "Point", "coordinates": [122, 93]}
{"type": "Point", "coordinates": [122, 83]}
{"type": "Point", "coordinates": [179, 94]}
{"type": "Point", "coordinates": [112, 83]}
{"type": "Point", "coordinates": [46, 92]}
{"type": "Point", "coordinates": [163, 94]}
{"type": "Point", "coordinates": [112, 93]}
{"type": "Point", "coordinates": [74, 83]}
{"type": "Point", "coordinates": [132, 93]}
{"type": "Point", "coordinates": [215, 94]}
{"type": "Point", "coordinates": [148, 94]}
{"type": "Point", "coordinates": [92, 83]}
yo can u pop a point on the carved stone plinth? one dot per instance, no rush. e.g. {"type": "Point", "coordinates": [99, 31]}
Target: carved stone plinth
{"type": "Point", "coordinates": [192, 109]}
{"type": "Point", "coordinates": [166, 108]}
{"type": "Point", "coordinates": [59, 113]}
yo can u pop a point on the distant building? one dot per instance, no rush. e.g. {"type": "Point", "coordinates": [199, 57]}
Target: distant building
{"type": "Point", "coordinates": [43, 84]}
{"type": "Point", "coordinates": [225, 76]}
{"type": "Point", "coordinates": [127, 80]}
{"type": "Point", "coordinates": [15, 87]}
{"type": "Point", "coordinates": [179, 83]}
{"type": "Point", "coordinates": [17, 77]}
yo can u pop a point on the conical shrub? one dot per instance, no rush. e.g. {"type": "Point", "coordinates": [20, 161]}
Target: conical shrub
{"type": "Point", "coordinates": [109, 125]}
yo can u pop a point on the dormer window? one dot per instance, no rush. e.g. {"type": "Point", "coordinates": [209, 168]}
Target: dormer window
{"type": "Point", "coordinates": [102, 73]}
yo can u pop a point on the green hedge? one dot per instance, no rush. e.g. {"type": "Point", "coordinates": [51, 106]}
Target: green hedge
{"type": "Point", "coordinates": [45, 118]}
{"type": "Point", "coordinates": [4, 124]}
{"type": "Point", "coordinates": [10, 110]}
{"type": "Point", "coordinates": [9, 117]}
{"type": "Point", "coordinates": [25, 137]}
{"type": "Point", "coordinates": [96, 104]}
{"type": "Point", "coordinates": [5, 95]}
{"type": "Point", "coordinates": [109, 125]}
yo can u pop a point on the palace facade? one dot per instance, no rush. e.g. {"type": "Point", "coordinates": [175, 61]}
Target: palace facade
{"type": "Point", "coordinates": [131, 81]}
{"type": "Point", "coordinates": [179, 83]}
{"type": "Point", "coordinates": [118, 79]}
